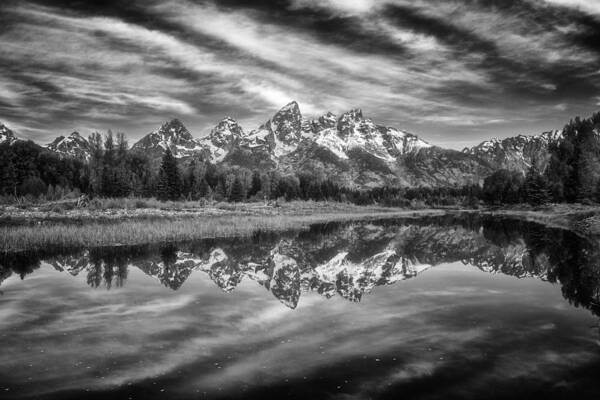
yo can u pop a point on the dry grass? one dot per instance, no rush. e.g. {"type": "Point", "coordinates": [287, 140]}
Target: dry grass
{"type": "Point", "coordinates": [583, 219]}
{"type": "Point", "coordinates": [129, 223]}
{"type": "Point", "coordinates": [136, 209]}
{"type": "Point", "coordinates": [66, 235]}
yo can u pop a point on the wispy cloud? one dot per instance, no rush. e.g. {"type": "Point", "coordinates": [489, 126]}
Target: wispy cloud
{"type": "Point", "coordinates": [590, 6]}
{"type": "Point", "coordinates": [420, 65]}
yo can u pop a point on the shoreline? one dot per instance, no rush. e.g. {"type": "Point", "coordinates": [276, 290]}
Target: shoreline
{"type": "Point", "coordinates": [23, 230]}
{"type": "Point", "coordinates": [27, 231]}
{"type": "Point", "coordinates": [581, 219]}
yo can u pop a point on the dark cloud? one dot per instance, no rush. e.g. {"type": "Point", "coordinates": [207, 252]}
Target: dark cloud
{"type": "Point", "coordinates": [454, 71]}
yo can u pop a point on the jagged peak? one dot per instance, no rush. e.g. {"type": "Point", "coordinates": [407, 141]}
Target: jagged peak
{"type": "Point", "coordinates": [175, 128]}
{"type": "Point", "coordinates": [174, 123]}
{"type": "Point", "coordinates": [554, 135]}
{"type": "Point", "coordinates": [226, 125]}
{"type": "Point", "coordinates": [327, 120]}
{"type": "Point", "coordinates": [228, 121]}
{"type": "Point", "coordinates": [6, 130]}
{"type": "Point", "coordinates": [520, 139]}
{"type": "Point", "coordinates": [76, 134]}
{"type": "Point", "coordinates": [6, 134]}
{"type": "Point", "coordinates": [291, 106]}
{"type": "Point", "coordinates": [57, 140]}
{"type": "Point", "coordinates": [355, 114]}
{"type": "Point", "coordinates": [291, 109]}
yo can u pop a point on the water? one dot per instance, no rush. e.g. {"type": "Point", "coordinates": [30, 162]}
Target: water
{"type": "Point", "coordinates": [434, 308]}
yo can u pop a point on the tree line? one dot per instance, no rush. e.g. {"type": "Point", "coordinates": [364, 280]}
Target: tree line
{"type": "Point", "coordinates": [572, 173]}
{"type": "Point", "coordinates": [26, 169]}
{"type": "Point", "coordinates": [114, 171]}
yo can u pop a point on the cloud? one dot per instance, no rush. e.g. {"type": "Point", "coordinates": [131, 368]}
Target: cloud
{"type": "Point", "coordinates": [202, 338]}
{"type": "Point", "coordinates": [345, 6]}
{"type": "Point", "coordinates": [589, 6]}
{"type": "Point", "coordinates": [418, 65]}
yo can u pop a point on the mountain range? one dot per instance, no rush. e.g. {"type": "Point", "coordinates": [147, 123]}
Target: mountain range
{"type": "Point", "coordinates": [350, 148]}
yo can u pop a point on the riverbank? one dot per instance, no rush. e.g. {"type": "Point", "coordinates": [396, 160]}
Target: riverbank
{"type": "Point", "coordinates": [115, 210]}
{"type": "Point", "coordinates": [582, 219]}
{"type": "Point", "coordinates": [31, 229]}
{"type": "Point", "coordinates": [115, 222]}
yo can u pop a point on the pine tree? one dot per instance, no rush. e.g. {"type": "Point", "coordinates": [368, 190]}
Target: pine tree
{"type": "Point", "coordinates": [237, 190]}
{"type": "Point", "coordinates": [190, 185]}
{"type": "Point", "coordinates": [96, 163]}
{"type": "Point", "coordinates": [221, 190]}
{"type": "Point", "coordinates": [169, 184]}
{"type": "Point", "coordinates": [256, 184]}
{"type": "Point", "coordinates": [203, 189]}
{"type": "Point", "coordinates": [8, 177]}
{"type": "Point", "coordinates": [109, 184]}
{"type": "Point", "coordinates": [587, 162]}
{"type": "Point", "coordinates": [122, 145]}
{"type": "Point", "coordinates": [574, 168]}
{"type": "Point", "coordinates": [274, 186]}
{"type": "Point", "coordinates": [536, 188]}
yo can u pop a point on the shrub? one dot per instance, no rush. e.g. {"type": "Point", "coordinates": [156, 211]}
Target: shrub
{"type": "Point", "coordinates": [32, 185]}
{"type": "Point", "coordinates": [139, 203]}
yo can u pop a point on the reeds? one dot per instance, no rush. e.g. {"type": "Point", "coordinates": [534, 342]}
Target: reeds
{"type": "Point", "coordinates": [66, 235]}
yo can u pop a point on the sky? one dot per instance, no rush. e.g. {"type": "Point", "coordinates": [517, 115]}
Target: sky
{"type": "Point", "coordinates": [454, 72]}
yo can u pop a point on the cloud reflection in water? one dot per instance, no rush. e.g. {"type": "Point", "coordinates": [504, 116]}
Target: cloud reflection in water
{"type": "Point", "coordinates": [452, 330]}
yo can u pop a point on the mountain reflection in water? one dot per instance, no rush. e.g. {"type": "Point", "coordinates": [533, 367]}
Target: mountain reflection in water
{"type": "Point", "coordinates": [347, 260]}
{"type": "Point", "coordinates": [311, 314]}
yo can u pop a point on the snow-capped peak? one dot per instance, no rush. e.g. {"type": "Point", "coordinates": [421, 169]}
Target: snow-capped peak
{"type": "Point", "coordinates": [225, 131]}
{"type": "Point", "coordinates": [7, 135]}
{"type": "Point", "coordinates": [287, 122]}
{"type": "Point", "coordinates": [290, 107]}
{"type": "Point", "coordinates": [519, 141]}
{"type": "Point", "coordinates": [554, 135]}
{"type": "Point", "coordinates": [174, 130]}
{"type": "Point", "coordinates": [517, 152]}
{"type": "Point", "coordinates": [171, 135]}
{"type": "Point", "coordinates": [355, 115]}
{"type": "Point", "coordinates": [326, 121]}
{"type": "Point", "coordinates": [280, 135]}
{"type": "Point", "coordinates": [73, 145]}
{"type": "Point", "coordinates": [223, 138]}
{"type": "Point", "coordinates": [353, 131]}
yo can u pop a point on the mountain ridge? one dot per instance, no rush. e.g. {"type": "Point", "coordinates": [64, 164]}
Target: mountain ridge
{"type": "Point", "coordinates": [350, 148]}
{"type": "Point", "coordinates": [73, 145]}
{"type": "Point", "coordinates": [7, 135]}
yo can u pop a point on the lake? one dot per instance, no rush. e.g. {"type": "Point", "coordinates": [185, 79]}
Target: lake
{"type": "Point", "coordinates": [430, 308]}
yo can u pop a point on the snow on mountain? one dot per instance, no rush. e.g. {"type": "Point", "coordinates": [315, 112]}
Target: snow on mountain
{"type": "Point", "coordinates": [348, 263]}
{"type": "Point", "coordinates": [286, 133]}
{"type": "Point", "coordinates": [280, 135]}
{"type": "Point", "coordinates": [518, 152]}
{"type": "Point", "coordinates": [353, 131]}
{"type": "Point", "coordinates": [7, 135]}
{"type": "Point", "coordinates": [351, 149]}
{"type": "Point", "coordinates": [401, 142]}
{"type": "Point", "coordinates": [285, 283]}
{"type": "Point", "coordinates": [172, 135]}
{"type": "Point", "coordinates": [223, 139]}
{"type": "Point", "coordinates": [73, 145]}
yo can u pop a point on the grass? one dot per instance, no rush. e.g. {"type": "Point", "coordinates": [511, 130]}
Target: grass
{"type": "Point", "coordinates": [137, 208]}
{"type": "Point", "coordinates": [244, 220]}
{"type": "Point", "coordinates": [580, 218]}
{"type": "Point", "coordinates": [112, 222]}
